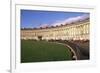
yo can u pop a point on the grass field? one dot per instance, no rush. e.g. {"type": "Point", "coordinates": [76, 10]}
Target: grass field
{"type": "Point", "coordinates": [42, 51]}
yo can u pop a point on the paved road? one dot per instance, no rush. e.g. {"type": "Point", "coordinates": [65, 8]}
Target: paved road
{"type": "Point", "coordinates": [80, 52]}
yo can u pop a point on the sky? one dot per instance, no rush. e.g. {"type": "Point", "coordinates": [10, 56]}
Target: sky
{"type": "Point", "coordinates": [37, 18]}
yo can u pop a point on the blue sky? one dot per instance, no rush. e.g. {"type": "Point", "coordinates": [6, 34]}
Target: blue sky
{"type": "Point", "coordinates": [36, 18]}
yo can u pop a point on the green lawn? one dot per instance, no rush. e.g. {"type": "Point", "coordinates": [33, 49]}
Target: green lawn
{"type": "Point", "coordinates": [42, 51]}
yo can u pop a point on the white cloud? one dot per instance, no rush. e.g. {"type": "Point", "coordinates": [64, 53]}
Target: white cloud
{"type": "Point", "coordinates": [70, 20]}
{"type": "Point", "coordinates": [44, 25]}
{"type": "Point", "coordinates": [66, 21]}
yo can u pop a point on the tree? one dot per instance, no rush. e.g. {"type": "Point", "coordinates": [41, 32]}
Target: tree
{"type": "Point", "coordinates": [40, 37]}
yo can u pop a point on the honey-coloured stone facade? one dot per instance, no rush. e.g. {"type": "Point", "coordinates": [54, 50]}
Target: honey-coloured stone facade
{"type": "Point", "coordinates": [74, 31]}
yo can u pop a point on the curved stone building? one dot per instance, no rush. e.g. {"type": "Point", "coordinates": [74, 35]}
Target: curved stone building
{"type": "Point", "coordinates": [74, 31]}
